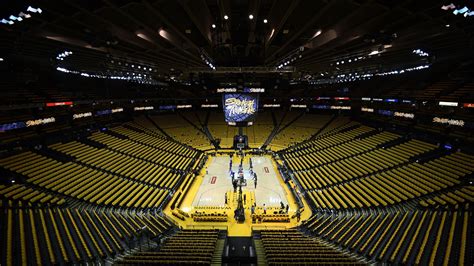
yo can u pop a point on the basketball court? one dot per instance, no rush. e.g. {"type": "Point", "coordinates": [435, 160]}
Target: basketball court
{"type": "Point", "coordinates": [217, 181]}
{"type": "Point", "coordinates": [213, 186]}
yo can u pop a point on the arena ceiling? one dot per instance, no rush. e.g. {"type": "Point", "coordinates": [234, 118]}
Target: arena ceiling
{"type": "Point", "coordinates": [171, 38]}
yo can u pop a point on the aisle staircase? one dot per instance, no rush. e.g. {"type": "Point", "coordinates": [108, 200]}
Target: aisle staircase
{"type": "Point", "coordinates": [261, 257]}
{"type": "Point", "coordinates": [217, 257]}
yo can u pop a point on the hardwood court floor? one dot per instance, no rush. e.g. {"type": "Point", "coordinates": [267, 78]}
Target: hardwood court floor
{"type": "Point", "coordinates": [208, 191]}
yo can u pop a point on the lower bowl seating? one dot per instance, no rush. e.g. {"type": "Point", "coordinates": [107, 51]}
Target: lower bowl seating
{"type": "Point", "coordinates": [186, 247]}
{"type": "Point", "coordinates": [209, 217]}
{"type": "Point", "coordinates": [271, 218]}
{"type": "Point", "coordinates": [291, 247]}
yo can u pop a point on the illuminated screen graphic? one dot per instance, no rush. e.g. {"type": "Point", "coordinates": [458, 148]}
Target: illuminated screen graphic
{"type": "Point", "coordinates": [240, 107]}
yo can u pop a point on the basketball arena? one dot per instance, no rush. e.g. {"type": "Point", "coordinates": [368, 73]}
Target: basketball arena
{"type": "Point", "coordinates": [236, 132]}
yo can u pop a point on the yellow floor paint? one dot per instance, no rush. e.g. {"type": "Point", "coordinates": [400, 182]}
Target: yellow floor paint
{"type": "Point", "coordinates": [232, 226]}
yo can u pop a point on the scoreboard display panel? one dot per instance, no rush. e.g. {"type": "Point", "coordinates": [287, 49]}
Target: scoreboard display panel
{"type": "Point", "coordinates": [240, 107]}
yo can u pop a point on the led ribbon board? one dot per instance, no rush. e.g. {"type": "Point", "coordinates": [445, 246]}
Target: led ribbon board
{"type": "Point", "coordinates": [11, 126]}
{"type": "Point", "coordinates": [240, 107]}
{"type": "Point", "coordinates": [81, 115]}
{"type": "Point", "coordinates": [141, 108]}
{"type": "Point", "coordinates": [38, 122]}
{"type": "Point", "coordinates": [58, 104]}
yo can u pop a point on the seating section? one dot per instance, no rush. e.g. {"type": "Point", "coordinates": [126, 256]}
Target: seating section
{"type": "Point", "coordinates": [350, 168]}
{"type": "Point", "coordinates": [403, 237]}
{"type": "Point", "coordinates": [186, 247]}
{"type": "Point", "coordinates": [155, 152]}
{"type": "Point", "coordinates": [86, 184]}
{"type": "Point", "coordinates": [295, 131]}
{"type": "Point", "coordinates": [259, 132]}
{"type": "Point", "coordinates": [434, 90]}
{"type": "Point", "coordinates": [220, 130]}
{"type": "Point", "coordinates": [340, 135]}
{"type": "Point", "coordinates": [462, 93]}
{"type": "Point", "coordinates": [181, 130]}
{"type": "Point", "coordinates": [204, 216]}
{"type": "Point", "coordinates": [144, 124]}
{"type": "Point", "coordinates": [363, 164]}
{"type": "Point", "coordinates": [446, 199]}
{"type": "Point", "coordinates": [149, 172]}
{"type": "Point", "coordinates": [138, 170]}
{"type": "Point", "coordinates": [311, 157]}
{"type": "Point", "coordinates": [24, 193]}
{"type": "Point", "coordinates": [336, 123]}
{"type": "Point", "coordinates": [48, 236]}
{"type": "Point", "coordinates": [388, 187]}
{"type": "Point", "coordinates": [271, 218]}
{"type": "Point", "coordinates": [291, 247]}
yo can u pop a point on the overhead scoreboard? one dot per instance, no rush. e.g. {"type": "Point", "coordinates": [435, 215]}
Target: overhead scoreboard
{"type": "Point", "coordinates": [240, 108]}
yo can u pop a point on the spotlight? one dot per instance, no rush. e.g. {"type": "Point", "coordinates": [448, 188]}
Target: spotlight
{"type": "Point", "coordinates": [251, 16]}
{"type": "Point", "coordinates": [265, 21]}
{"type": "Point", "coordinates": [213, 26]}
{"type": "Point", "coordinates": [447, 25]}
{"type": "Point", "coordinates": [226, 17]}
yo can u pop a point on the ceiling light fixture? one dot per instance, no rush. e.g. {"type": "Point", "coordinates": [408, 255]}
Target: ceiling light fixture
{"type": "Point", "coordinates": [213, 26]}
{"type": "Point", "coordinates": [317, 33]}
{"type": "Point", "coordinates": [34, 10]}
{"type": "Point", "coordinates": [133, 78]}
{"type": "Point", "coordinates": [164, 34]}
{"type": "Point", "coordinates": [374, 52]}
{"type": "Point", "coordinates": [448, 7]}
{"type": "Point", "coordinates": [22, 15]}
{"type": "Point", "coordinates": [226, 17]}
{"type": "Point", "coordinates": [291, 58]}
{"type": "Point", "coordinates": [420, 52]}
{"type": "Point", "coordinates": [250, 16]}
{"type": "Point", "coordinates": [63, 55]}
{"type": "Point", "coordinates": [265, 21]}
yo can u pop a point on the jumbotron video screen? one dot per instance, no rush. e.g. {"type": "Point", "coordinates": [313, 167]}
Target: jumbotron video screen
{"type": "Point", "coordinates": [240, 107]}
